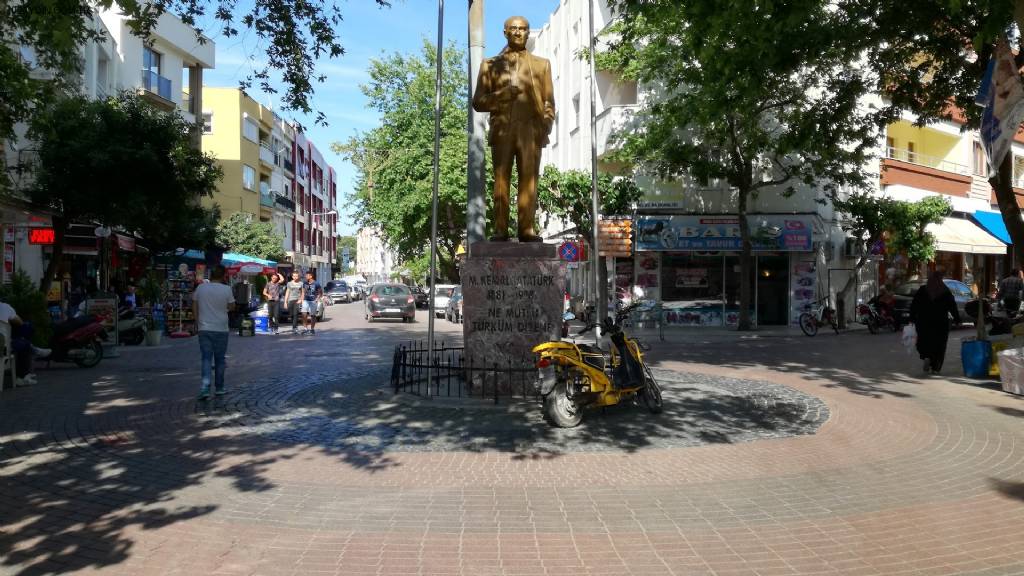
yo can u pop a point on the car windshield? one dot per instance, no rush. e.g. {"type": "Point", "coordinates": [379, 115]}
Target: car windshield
{"type": "Point", "coordinates": [909, 289]}
{"type": "Point", "coordinates": [395, 290]}
{"type": "Point", "coordinates": [337, 286]}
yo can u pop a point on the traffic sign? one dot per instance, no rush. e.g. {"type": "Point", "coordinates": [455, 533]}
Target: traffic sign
{"type": "Point", "coordinates": [570, 251]}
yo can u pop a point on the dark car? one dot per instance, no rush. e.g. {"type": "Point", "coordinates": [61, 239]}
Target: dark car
{"type": "Point", "coordinates": [338, 291]}
{"type": "Point", "coordinates": [422, 296]}
{"type": "Point", "coordinates": [904, 295]}
{"type": "Point", "coordinates": [390, 301]}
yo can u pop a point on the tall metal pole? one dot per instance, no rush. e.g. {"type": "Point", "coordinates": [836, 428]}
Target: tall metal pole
{"type": "Point", "coordinates": [433, 200]}
{"type": "Point", "coordinates": [476, 206]}
{"type": "Point", "coordinates": [600, 290]}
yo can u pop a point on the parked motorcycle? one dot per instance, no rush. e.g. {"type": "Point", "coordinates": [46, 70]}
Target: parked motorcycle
{"type": "Point", "coordinates": [78, 340]}
{"type": "Point", "coordinates": [573, 377]}
{"type": "Point", "coordinates": [869, 315]}
{"type": "Point", "coordinates": [131, 328]}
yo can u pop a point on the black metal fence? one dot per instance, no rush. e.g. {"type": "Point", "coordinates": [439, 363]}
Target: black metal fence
{"type": "Point", "coordinates": [456, 375]}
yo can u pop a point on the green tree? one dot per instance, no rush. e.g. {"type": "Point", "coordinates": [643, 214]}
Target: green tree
{"type": "Point", "coordinates": [918, 49]}
{"type": "Point", "coordinates": [240, 233]}
{"type": "Point", "coordinates": [351, 243]}
{"type": "Point", "coordinates": [124, 164]}
{"type": "Point", "coordinates": [761, 96]}
{"type": "Point", "coordinates": [394, 194]}
{"type": "Point", "coordinates": [566, 195]}
{"type": "Point", "coordinates": [48, 36]}
{"type": "Point", "coordinates": [869, 218]}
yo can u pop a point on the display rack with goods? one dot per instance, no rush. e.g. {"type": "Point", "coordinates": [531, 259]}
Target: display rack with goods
{"type": "Point", "coordinates": [180, 286]}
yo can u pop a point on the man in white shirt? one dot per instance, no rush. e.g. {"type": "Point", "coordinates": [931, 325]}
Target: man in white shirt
{"type": "Point", "coordinates": [21, 345]}
{"type": "Point", "coordinates": [211, 303]}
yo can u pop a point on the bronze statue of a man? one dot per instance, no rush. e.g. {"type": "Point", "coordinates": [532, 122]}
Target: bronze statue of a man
{"type": "Point", "coordinates": [515, 87]}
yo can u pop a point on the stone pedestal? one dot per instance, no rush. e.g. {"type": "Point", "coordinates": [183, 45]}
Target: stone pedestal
{"type": "Point", "coordinates": [513, 300]}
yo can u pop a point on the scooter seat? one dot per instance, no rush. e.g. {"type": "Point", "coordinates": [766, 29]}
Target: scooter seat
{"type": "Point", "coordinates": [590, 349]}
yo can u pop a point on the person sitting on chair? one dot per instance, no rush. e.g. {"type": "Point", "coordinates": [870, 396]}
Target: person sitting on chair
{"type": "Point", "coordinates": [21, 345]}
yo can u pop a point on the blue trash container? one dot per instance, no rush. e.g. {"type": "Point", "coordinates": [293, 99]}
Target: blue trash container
{"type": "Point", "coordinates": [262, 323]}
{"type": "Point", "coordinates": [976, 356]}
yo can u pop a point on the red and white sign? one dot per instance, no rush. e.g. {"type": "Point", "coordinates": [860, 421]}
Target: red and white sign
{"type": "Point", "coordinates": [44, 236]}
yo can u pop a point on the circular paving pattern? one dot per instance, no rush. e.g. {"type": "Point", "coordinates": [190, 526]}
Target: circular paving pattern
{"type": "Point", "coordinates": [699, 409]}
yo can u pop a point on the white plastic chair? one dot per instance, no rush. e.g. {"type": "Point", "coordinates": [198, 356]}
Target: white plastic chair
{"type": "Point", "coordinates": [6, 356]}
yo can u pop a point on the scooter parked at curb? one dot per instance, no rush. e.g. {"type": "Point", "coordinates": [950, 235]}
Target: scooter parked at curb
{"type": "Point", "coordinates": [78, 340]}
{"type": "Point", "coordinates": [131, 328]}
{"type": "Point", "coordinates": [573, 377]}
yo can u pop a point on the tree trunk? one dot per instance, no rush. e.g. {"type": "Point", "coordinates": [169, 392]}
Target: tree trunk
{"type": "Point", "coordinates": [1002, 183]}
{"type": "Point", "coordinates": [60, 229]}
{"type": "Point", "coordinates": [746, 263]}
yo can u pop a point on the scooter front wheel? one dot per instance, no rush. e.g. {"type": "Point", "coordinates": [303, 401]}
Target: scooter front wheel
{"type": "Point", "coordinates": [560, 410]}
{"type": "Point", "coordinates": [92, 354]}
{"type": "Point", "coordinates": [651, 393]}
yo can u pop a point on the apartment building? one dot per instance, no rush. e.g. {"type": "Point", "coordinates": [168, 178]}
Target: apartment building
{"type": "Point", "coordinates": [374, 260]}
{"type": "Point", "coordinates": [167, 70]}
{"type": "Point", "coordinates": [273, 172]}
{"type": "Point", "coordinates": [698, 282]}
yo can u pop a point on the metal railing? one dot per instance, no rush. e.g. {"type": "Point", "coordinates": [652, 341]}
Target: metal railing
{"type": "Point", "coordinates": [156, 84]}
{"type": "Point", "coordinates": [912, 157]}
{"type": "Point", "coordinates": [456, 376]}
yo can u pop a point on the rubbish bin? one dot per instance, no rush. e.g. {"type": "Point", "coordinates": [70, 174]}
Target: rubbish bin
{"type": "Point", "coordinates": [1011, 370]}
{"type": "Point", "coordinates": [976, 356]}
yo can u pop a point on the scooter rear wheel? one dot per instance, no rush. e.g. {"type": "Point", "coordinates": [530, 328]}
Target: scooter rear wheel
{"type": "Point", "coordinates": [560, 410]}
{"type": "Point", "coordinates": [93, 354]}
{"type": "Point", "coordinates": [651, 393]}
{"type": "Point", "coordinates": [133, 337]}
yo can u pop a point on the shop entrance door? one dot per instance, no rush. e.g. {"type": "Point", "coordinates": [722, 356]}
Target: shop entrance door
{"type": "Point", "coordinates": [773, 290]}
{"type": "Point", "coordinates": [732, 289]}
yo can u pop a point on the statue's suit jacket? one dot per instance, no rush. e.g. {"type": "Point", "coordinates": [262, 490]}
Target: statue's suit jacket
{"type": "Point", "coordinates": [495, 74]}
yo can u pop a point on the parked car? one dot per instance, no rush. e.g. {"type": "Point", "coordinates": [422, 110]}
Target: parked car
{"type": "Point", "coordinates": [441, 294]}
{"type": "Point", "coordinates": [390, 301]}
{"type": "Point", "coordinates": [453, 310]}
{"type": "Point", "coordinates": [904, 295]}
{"type": "Point", "coordinates": [355, 294]}
{"type": "Point", "coordinates": [422, 295]}
{"type": "Point", "coordinates": [338, 291]}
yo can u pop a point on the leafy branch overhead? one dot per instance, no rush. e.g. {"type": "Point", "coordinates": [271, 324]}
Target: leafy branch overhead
{"type": "Point", "coordinates": [293, 34]}
{"type": "Point", "coordinates": [241, 233]}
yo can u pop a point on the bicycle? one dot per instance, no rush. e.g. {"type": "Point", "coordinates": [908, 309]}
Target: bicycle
{"type": "Point", "coordinates": [818, 317]}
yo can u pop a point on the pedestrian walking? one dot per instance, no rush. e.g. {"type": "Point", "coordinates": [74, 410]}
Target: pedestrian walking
{"type": "Point", "coordinates": [311, 292]}
{"type": "Point", "coordinates": [272, 292]}
{"type": "Point", "coordinates": [1010, 289]}
{"type": "Point", "coordinates": [930, 311]}
{"type": "Point", "coordinates": [292, 297]}
{"type": "Point", "coordinates": [211, 303]}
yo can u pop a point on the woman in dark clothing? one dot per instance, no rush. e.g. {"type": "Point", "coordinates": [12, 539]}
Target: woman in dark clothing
{"type": "Point", "coordinates": [930, 311]}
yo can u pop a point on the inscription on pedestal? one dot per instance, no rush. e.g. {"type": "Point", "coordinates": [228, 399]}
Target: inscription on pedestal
{"type": "Point", "coordinates": [511, 305]}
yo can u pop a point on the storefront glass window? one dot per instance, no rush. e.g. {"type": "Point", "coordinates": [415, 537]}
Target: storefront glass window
{"type": "Point", "coordinates": [732, 289]}
{"type": "Point", "coordinates": [691, 288]}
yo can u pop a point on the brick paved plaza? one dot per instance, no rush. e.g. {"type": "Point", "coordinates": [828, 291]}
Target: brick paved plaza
{"type": "Point", "coordinates": [776, 455]}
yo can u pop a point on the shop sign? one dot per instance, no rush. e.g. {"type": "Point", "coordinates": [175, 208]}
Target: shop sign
{"type": "Point", "coordinates": [45, 236]}
{"type": "Point", "coordinates": [126, 243]}
{"type": "Point", "coordinates": [615, 237]}
{"type": "Point", "coordinates": [775, 233]}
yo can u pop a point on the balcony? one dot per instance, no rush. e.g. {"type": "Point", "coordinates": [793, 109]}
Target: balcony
{"type": "Point", "coordinates": [289, 166]}
{"type": "Point", "coordinates": [266, 199]}
{"type": "Point", "coordinates": [157, 89]}
{"type": "Point", "coordinates": [266, 154]}
{"type": "Point", "coordinates": [930, 173]}
{"type": "Point", "coordinates": [609, 122]}
{"type": "Point", "coordinates": [285, 203]}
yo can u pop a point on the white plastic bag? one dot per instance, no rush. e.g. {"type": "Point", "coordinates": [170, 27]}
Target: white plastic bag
{"type": "Point", "coordinates": [909, 338]}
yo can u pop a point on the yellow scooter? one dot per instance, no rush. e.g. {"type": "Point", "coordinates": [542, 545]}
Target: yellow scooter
{"type": "Point", "coordinates": [573, 377]}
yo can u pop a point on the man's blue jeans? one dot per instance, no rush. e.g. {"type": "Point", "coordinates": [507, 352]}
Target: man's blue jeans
{"type": "Point", "coordinates": [213, 346]}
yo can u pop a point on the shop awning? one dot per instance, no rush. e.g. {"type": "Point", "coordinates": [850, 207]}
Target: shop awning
{"type": "Point", "coordinates": [230, 258]}
{"type": "Point", "coordinates": [993, 223]}
{"type": "Point", "coordinates": [958, 235]}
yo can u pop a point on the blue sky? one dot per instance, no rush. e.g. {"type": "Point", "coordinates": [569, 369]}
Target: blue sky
{"type": "Point", "coordinates": [367, 32]}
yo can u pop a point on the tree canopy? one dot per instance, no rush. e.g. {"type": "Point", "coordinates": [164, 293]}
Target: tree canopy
{"type": "Point", "coordinates": [124, 164]}
{"type": "Point", "coordinates": [395, 159]}
{"type": "Point", "coordinates": [566, 195]}
{"type": "Point", "coordinates": [760, 96]}
{"type": "Point", "coordinates": [49, 35]}
{"type": "Point", "coordinates": [241, 233]}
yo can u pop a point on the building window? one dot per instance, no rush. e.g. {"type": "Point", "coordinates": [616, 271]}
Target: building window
{"type": "Point", "coordinates": [151, 61]}
{"type": "Point", "coordinates": [575, 112]}
{"type": "Point", "coordinates": [980, 164]}
{"type": "Point", "coordinates": [250, 130]}
{"type": "Point", "coordinates": [207, 122]}
{"type": "Point", "coordinates": [248, 177]}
